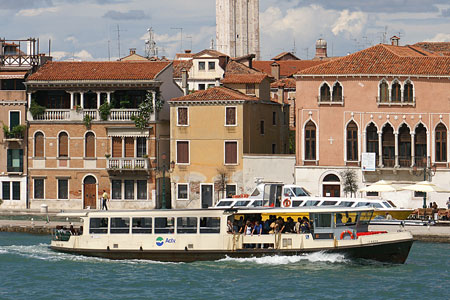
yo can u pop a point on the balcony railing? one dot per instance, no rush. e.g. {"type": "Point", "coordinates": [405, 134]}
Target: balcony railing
{"type": "Point", "coordinates": [405, 161]}
{"type": "Point", "coordinates": [124, 115]}
{"type": "Point", "coordinates": [128, 164]}
{"type": "Point", "coordinates": [54, 115]}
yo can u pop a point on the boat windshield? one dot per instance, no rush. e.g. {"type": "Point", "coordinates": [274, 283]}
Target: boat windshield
{"type": "Point", "coordinates": [346, 203]}
{"type": "Point", "coordinates": [224, 203]}
{"type": "Point", "coordinates": [256, 192]}
{"type": "Point", "coordinates": [242, 203]}
{"type": "Point", "coordinates": [296, 203]}
{"type": "Point", "coordinates": [391, 203]}
{"type": "Point", "coordinates": [256, 203]}
{"type": "Point", "coordinates": [300, 192]}
{"type": "Point", "coordinates": [387, 204]}
{"type": "Point", "coordinates": [369, 204]}
{"type": "Point", "coordinates": [312, 202]}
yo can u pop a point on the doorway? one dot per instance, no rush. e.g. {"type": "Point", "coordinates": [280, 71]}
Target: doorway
{"type": "Point", "coordinates": [331, 190]}
{"type": "Point", "coordinates": [90, 192]}
{"type": "Point", "coordinates": [207, 195]}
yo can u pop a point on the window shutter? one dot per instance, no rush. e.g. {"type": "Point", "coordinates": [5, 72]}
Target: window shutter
{"type": "Point", "coordinates": [90, 145]}
{"type": "Point", "coordinates": [183, 152]}
{"type": "Point", "coordinates": [129, 147]}
{"type": "Point", "coordinates": [182, 116]}
{"type": "Point", "coordinates": [63, 145]}
{"type": "Point", "coordinates": [231, 152]}
{"type": "Point", "coordinates": [39, 144]}
{"type": "Point", "coordinates": [14, 119]}
{"type": "Point", "coordinates": [116, 147]}
{"type": "Point", "coordinates": [231, 116]}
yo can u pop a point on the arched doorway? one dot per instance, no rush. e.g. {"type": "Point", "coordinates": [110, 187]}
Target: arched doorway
{"type": "Point", "coordinates": [90, 192]}
{"type": "Point", "coordinates": [331, 186]}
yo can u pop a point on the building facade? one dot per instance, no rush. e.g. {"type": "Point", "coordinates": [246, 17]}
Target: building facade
{"type": "Point", "coordinates": [388, 100]}
{"type": "Point", "coordinates": [210, 132]}
{"type": "Point", "coordinates": [83, 138]}
{"type": "Point", "coordinates": [237, 27]}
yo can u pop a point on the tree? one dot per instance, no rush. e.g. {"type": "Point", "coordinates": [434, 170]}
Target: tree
{"type": "Point", "coordinates": [221, 182]}
{"type": "Point", "coordinates": [350, 182]}
{"type": "Point", "coordinates": [146, 110]}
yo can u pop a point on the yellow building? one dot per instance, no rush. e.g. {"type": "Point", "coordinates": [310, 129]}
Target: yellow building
{"type": "Point", "coordinates": [210, 132]}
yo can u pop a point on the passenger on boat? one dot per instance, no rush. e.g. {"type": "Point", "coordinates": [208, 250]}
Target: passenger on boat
{"type": "Point", "coordinates": [257, 228]}
{"type": "Point", "coordinates": [230, 228]}
{"type": "Point", "coordinates": [298, 225]}
{"type": "Point", "coordinates": [305, 227]}
{"type": "Point", "coordinates": [338, 219]}
{"type": "Point", "coordinates": [280, 226]}
{"type": "Point", "coordinates": [290, 225]}
{"type": "Point", "coordinates": [241, 224]}
{"type": "Point", "coordinates": [248, 228]}
{"type": "Point", "coordinates": [388, 216]}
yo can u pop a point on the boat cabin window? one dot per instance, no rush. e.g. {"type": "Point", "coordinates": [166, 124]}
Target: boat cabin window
{"type": "Point", "coordinates": [312, 202]}
{"type": "Point", "coordinates": [120, 225]}
{"type": "Point", "coordinates": [345, 219]}
{"type": "Point", "coordinates": [186, 225]}
{"type": "Point", "coordinates": [256, 203]}
{"type": "Point", "coordinates": [364, 217]}
{"type": "Point", "coordinates": [209, 225]}
{"type": "Point", "coordinates": [142, 225]}
{"type": "Point", "coordinates": [288, 193]}
{"type": "Point", "coordinates": [272, 195]}
{"type": "Point", "coordinates": [346, 203]}
{"type": "Point", "coordinates": [255, 193]}
{"type": "Point", "coordinates": [300, 192]}
{"type": "Point", "coordinates": [369, 204]}
{"type": "Point", "coordinates": [98, 225]}
{"type": "Point", "coordinates": [329, 202]}
{"type": "Point", "coordinates": [391, 203]}
{"type": "Point", "coordinates": [242, 203]}
{"type": "Point", "coordinates": [297, 203]}
{"type": "Point", "coordinates": [224, 203]}
{"type": "Point", "coordinates": [322, 220]}
{"type": "Point", "coordinates": [387, 204]}
{"type": "Point", "coordinates": [164, 225]}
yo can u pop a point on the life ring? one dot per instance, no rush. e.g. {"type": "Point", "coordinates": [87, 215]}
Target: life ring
{"type": "Point", "coordinates": [347, 232]}
{"type": "Point", "coordinates": [287, 202]}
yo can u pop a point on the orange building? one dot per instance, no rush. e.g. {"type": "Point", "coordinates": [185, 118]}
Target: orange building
{"type": "Point", "coordinates": [82, 137]}
{"type": "Point", "coordinates": [388, 100]}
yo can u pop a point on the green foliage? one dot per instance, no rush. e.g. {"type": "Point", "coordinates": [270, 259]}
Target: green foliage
{"type": "Point", "coordinates": [291, 141]}
{"type": "Point", "coordinates": [105, 110]}
{"type": "Point", "coordinates": [18, 131]}
{"type": "Point", "coordinates": [36, 109]}
{"type": "Point", "coordinates": [349, 182]}
{"type": "Point", "coordinates": [125, 102]}
{"type": "Point", "coordinates": [6, 130]}
{"type": "Point", "coordinates": [87, 120]}
{"type": "Point", "coordinates": [146, 109]}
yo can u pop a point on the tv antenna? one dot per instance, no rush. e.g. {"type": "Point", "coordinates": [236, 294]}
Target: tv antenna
{"type": "Point", "coordinates": [150, 44]}
{"type": "Point", "coordinates": [118, 38]}
{"type": "Point", "coordinates": [181, 37]}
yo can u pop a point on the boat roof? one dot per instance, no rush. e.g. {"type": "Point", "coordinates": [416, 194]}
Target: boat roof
{"type": "Point", "coordinates": [213, 211]}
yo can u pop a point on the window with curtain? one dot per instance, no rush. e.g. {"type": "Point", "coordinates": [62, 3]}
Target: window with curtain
{"type": "Point", "coordinates": [141, 143]}
{"type": "Point", "coordinates": [396, 92]}
{"type": "Point", "coordinates": [230, 116]}
{"type": "Point", "coordinates": [408, 92]}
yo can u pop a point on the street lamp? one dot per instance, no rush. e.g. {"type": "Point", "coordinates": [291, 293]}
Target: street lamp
{"type": "Point", "coordinates": [163, 169]}
{"type": "Point", "coordinates": [428, 172]}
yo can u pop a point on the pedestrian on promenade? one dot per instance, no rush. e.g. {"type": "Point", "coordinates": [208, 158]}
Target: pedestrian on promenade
{"type": "Point", "coordinates": [105, 198]}
{"type": "Point", "coordinates": [448, 203]}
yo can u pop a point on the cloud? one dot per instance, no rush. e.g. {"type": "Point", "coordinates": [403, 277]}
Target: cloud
{"type": "Point", "coordinates": [351, 23]}
{"type": "Point", "coordinates": [440, 37]}
{"type": "Point", "coordinates": [129, 15]}
{"type": "Point", "coordinates": [19, 4]}
{"type": "Point", "coordinates": [445, 12]}
{"type": "Point", "coordinates": [71, 39]}
{"type": "Point", "coordinates": [36, 11]}
{"type": "Point", "coordinates": [77, 56]}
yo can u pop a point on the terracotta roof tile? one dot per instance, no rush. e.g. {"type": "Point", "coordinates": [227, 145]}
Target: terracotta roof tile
{"type": "Point", "coordinates": [287, 83]}
{"type": "Point", "coordinates": [244, 78]}
{"type": "Point", "coordinates": [439, 47]}
{"type": "Point", "coordinates": [180, 64]}
{"type": "Point", "coordinates": [287, 67]}
{"type": "Point", "coordinates": [210, 52]}
{"type": "Point", "coordinates": [117, 70]}
{"type": "Point", "coordinates": [384, 59]}
{"type": "Point", "coordinates": [234, 67]}
{"type": "Point", "coordinates": [283, 54]}
{"type": "Point", "coordinates": [216, 93]}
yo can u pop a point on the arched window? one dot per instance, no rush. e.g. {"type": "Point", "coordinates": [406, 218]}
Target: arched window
{"type": "Point", "coordinates": [408, 93]}
{"type": "Point", "coordinates": [310, 141]}
{"type": "Point", "coordinates": [420, 146]}
{"type": "Point", "coordinates": [372, 139]}
{"type": "Point", "coordinates": [337, 92]}
{"type": "Point", "coordinates": [384, 91]}
{"type": "Point", "coordinates": [89, 145]}
{"type": "Point", "coordinates": [396, 93]}
{"type": "Point", "coordinates": [404, 146]}
{"type": "Point", "coordinates": [39, 144]}
{"type": "Point", "coordinates": [388, 143]}
{"type": "Point", "coordinates": [331, 178]}
{"type": "Point", "coordinates": [352, 141]}
{"type": "Point", "coordinates": [325, 93]}
{"type": "Point", "coordinates": [63, 145]}
{"type": "Point", "coordinates": [441, 143]}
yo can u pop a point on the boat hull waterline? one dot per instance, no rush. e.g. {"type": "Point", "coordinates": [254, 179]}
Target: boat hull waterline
{"type": "Point", "coordinates": [394, 252]}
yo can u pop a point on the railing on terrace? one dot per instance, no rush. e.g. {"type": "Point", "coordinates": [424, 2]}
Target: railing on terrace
{"type": "Point", "coordinates": [405, 161]}
{"type": "Point", "coordinates": [93, 113]}
{"type": "Point", "coordinates": [122, 114]}
{"type": "Point", "coordinates": [54, 115]}
{"type": "Point", "coordinates": [129, 163]}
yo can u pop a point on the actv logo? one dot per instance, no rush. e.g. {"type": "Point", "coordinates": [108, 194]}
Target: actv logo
{"type": "Point", "coordinates": [159, 241]}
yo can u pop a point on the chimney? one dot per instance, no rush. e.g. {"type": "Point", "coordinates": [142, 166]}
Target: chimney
{"type": "Point", "coordinates": [217, 81]}
{"type": "Point", "coordinates": [281, 94]}
{"type": "Point", "coordinates": [321, 49]}
{"type": "Point", "coordinates": [184, 81]}
{"type": "Point", "coordinates": [395, 41]}
{"type": "Point", "coordinates": [132, 51]}
{"type": "Point", "coordinates": [187, 51]}
{"type": "Point", "coordinates": [275, 70]}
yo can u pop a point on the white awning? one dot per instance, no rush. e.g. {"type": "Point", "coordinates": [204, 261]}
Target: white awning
{"type": "Point", "coordinates": [126, 132]}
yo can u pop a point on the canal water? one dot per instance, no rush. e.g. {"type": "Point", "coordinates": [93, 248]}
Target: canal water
{"type": "Point", "coordinates": [30, 270]}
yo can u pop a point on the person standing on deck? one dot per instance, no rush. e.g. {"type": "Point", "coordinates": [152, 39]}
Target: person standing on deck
{"type": "Point", "coordinates": [104, 199]}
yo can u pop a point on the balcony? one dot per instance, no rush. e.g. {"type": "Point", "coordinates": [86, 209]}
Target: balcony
{"type": "Point", "coordinates": [128, 164]}
{"type": "Point", "coordinates": [116, 115]}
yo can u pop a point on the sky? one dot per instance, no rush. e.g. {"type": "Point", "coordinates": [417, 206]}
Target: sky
{"type": "Point", "coordinates": [90, 29]}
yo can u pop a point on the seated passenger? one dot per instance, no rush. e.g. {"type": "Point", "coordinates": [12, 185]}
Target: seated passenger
{"type": "Point", "coordinates": [338, 219]}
